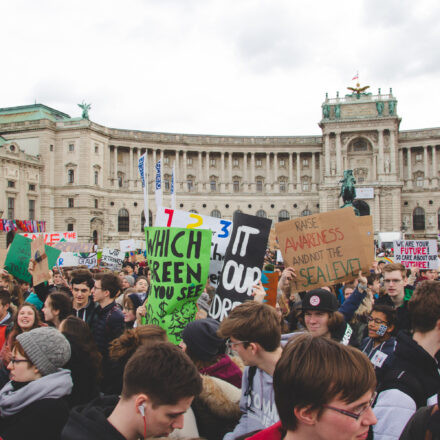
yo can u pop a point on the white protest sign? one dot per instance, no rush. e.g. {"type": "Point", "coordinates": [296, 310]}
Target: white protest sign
{"type": "Point", "coordinates": [68, 259]}
{"type": "Point", "coordinates": [112, 257]}
{"type": "Point", "coordinates": [91, 260]}
{"type": "Point", "coordinates": [127, 245]}
{"type": "Point", "coordinates": [221, 234]}
{"type": "Point", "coordinates": [279, 258]}
{"type": "Point", "coordinates": [416, 253]}
{"type": "Point", "coordinates": [51, 238]}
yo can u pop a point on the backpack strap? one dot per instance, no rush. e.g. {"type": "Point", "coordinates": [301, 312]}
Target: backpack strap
{"type": "Point", "coordinates": [251, 374]}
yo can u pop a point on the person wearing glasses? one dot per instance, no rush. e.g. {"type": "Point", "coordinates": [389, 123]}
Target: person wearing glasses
{"type": "Point", "coordinates": [413, 380]}
{"type": "Point", "coordinates": [379, 345]}
{"type": "Point", "coordinates": [316, 398]}
{"type": "Point", "coordinates": [33, 403]}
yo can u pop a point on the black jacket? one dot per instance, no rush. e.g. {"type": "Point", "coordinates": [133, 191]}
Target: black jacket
{"type": "Point", "coordinates": [41, 420]}
{"type": "Point", "coordinates": [87, 312]}
{"type": "Point", "coordinates": [403, 321]}
{"type": "Point", "coordinates": [90, 422]}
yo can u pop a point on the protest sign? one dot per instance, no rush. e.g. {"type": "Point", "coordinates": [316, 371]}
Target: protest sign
{"type": "Point", "coordinates": [90, 260]}
{"type": "Point", "coordinates": [179, 263]}
{"type": "Point", "coordinates": [220, 234]}
{"type": "Point", "coordinates": [3, 253]}
{"type": "Point", "coordinates": [50, 238]}
{"type": "Point", "coordinates": [243, 261]}
{"type": "Point", "coordinates": [365, 224]}
{"type": "Point", "coordinates": [273, 243]}
{"type": "Point", "coordinates": [68, 259]}
{"type": "Point", "coordinates": [17, 260]}
{"type": "Point", "coordinates": [270, 284]}
{"type": "Point", "coordinates": [279, 257]}
{"type": "Point", "coordinates": [112, 258]}
{"type": "Point", "coordinates": [127, 245]}
{"type": "Point", "coordinates": [324, 249]}
{"type": "Point", "coordinates": [41, 267]}
{"type": "Point", "coordinates": [64, 246]}
{"type": "Point", "coordinates": [416, 253]}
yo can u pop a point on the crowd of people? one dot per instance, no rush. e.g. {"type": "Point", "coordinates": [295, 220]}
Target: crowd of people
{"type": "Point", "coordinates": [349, 361]}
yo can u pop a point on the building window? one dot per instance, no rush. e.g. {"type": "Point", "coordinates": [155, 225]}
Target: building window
{"type": "Point", "coordinates": [31, 209]}
{"type": "Point", "coordinates": [235, 162]}
{"type": "Point", "coordinates": [11, 203]}
{"type": "Point", "coordinates": [419, 219]}
{"type": "Point", "coordinates": [236, 185]}
{"type": "Point", "coordinates": [259, 185]}
{"type": "Point", "coordinates": [306, 212]}
{"type": "Point", "coordinates": [96, 177]}
{"type": "Point", "coordinates": [70, 203]}
{"type": "Point", "coordinates": [237, 211]}
{"type": "Point", "coordinates": [193, 211]}
{"type": "Point", "coordinates": [213, 185]}
{"type": "Point", "coordinates": [166, 182]}
{"type": "Point", "coordinates": [123, 220]}
{"type": "Point", "coordinates": [96, 148]}
{"type": "Point", "coordinates": [11, 184]}
{"type": "Point", "coordinates": [216, 213]}
{"type": "Point", "coordinates": [305, 185]}
{"type": "Point", "coordinates": [359, 145]}
{"type": "Point", "coordinates": [71, 147]}
{"type": "Point", "coordinates": [419, 157]}
{"type": "Point", "coordinates": [51, 148]}
{"type": "Point", "coordinates": [261, 213]}
{"type": "Point", "coordinates": [189, 161]}
{"type": "Point", "coordinates": [70, 227]}
{"type": "Point", "coordinates": [190, 184]}
{"type": "Point", "coordinates": [96, 203]}
{"type": "Point", "coordinates": [283, 216]}
{"type": "Point", "coordinates": [70, 176]}
{"type": "Point", "coordinates": [258, 163]}
{"type": "Point", "coordinates": [31, 187]}
{"type": "Point", "coordinates": [305, 163]}
{"type": "Point", "coordinates": [283, 185]}
{"type": "Point", "coordinates": [120, 180]}
{"type": "Point", "coordinates": [212, 162]}
{"type": "Point", "coordinates": [282, 162]}
{"type": "Point", "coordinates": [419, 181]}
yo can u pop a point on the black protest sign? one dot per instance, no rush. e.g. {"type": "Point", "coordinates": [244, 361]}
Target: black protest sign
{"type": "Point", "coordinates": [243, 262]}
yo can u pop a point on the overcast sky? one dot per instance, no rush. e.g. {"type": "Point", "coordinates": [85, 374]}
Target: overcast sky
{"type": "Point", "coordinates": [251, 67]}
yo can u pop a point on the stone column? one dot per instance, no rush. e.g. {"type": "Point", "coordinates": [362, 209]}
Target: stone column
{"type": "Point", "coordinates": [376, 216]}
{"type": "Point", "coordinates": [321, 167]}
{"type": "Point", "coordinates": [275, 170]}
{"type": "Point", "coordinates": [267, 172]}
{"type": "Point", "coordinates": [434, 181]}
{"type": "Point", "coordinates": [230, 185]}
{"type": "Point", "coordinates": [207, 169]}
{"type": "Point", "coordinates": [313, 172]}
{"type": "Point", "coordinates": [131, 167]}
{"type": "Point", "coordinates": [185, 173]}
{"type": "Point", "coordinates": [327, 154]}
{"type": "Point", "coordinates": [176, 170]}
{"type": "Point", "coordinates": [298, 171]}
{"type": "Point", "coordinates": [222, 171]}
{"type": "Point", "coordinates": [401, 164]}
{"type": "Point", "coordinates": [290, 165]}
{"type": "Point", "coordinates": [409, 166]}
{"type": "Point", "coordinates": [392, 152]}
{"type": "Point", "coordinates": [338, 154]}
{"type": "Point", "coordinates": [246, 173]}
{"type": "Point", "coordinates": [380, 168]}
{"type": "Point", "coordinates": [252, 185]}
{"type": "Point", "coordinates": [426, 169]}
{"type": "Point", "coordinates": [200, 176]}
{"type": "Point", "coordinates": [115, 164]}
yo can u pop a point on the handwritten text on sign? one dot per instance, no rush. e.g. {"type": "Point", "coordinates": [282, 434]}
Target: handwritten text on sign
{"type": "Point", "coordinates": [52, 237]}
{"type": "Point", "coordinates": [416, 253]}
{"type": "Point", "coordinates": [324, 248]}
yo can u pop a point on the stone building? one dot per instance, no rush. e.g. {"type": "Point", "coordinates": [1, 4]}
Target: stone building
{"type": "Point", "coordinates": [83, 176]}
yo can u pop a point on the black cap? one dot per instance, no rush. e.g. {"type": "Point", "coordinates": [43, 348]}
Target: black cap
{"type": "Point", "coordinates": [320, 299]}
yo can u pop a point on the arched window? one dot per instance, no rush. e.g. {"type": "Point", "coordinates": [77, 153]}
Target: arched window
{"type": "Point", "coordinates": [237, 211]}
{"type": "Point", "coordinates": [123, 220]}
{"type": "Point", "coordinates": [193, 211]}
{"type": "Point", "coordinates": [95, 236]}
{"type": "Point", "coordinates": [283, 216]}
{"type": "Point", "coordinates": [419, 219]}
{"type": "Point", "coordinates": [261, 213]}
{"type": "Point", "coordinates": [96, 177]}
{"type": "Point", "coordinates": [216, 213]}
{"type": "Point", "coordinates": [306, 212]}
{"type": "Point", "coordinates": [70, 176]}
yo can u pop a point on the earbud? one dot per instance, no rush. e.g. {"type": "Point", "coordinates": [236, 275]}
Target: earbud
{"type": "Point", "coordinates": [141, 409]}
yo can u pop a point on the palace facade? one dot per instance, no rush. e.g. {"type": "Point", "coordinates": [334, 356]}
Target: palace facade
{"type": "Point", "coordinates": [78, 175]}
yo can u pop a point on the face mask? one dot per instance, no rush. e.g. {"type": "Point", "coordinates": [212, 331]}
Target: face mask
{"type": "Point", "coordinates": [382, 330]}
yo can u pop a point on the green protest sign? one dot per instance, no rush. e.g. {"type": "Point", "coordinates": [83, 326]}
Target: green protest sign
{"type": "Point", "coordinates": [19, 254]}
{"type": "Point", "coordinates": [179, 260]}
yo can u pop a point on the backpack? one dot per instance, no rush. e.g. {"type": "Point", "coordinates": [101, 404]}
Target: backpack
{"type": "Point", "coordinates": [248, 392]}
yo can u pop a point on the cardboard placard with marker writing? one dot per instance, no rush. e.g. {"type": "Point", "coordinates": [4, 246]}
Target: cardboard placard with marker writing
{"type": "Point", "coordinates": [179, 263]}
{"type": "Point", "coordinates": [41, 266]}
{"type": "Point", "coordinates": [325, 248]}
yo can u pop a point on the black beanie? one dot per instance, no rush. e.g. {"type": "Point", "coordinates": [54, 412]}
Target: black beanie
{"type": "Point", "coordinates": [201, 338]}
{"type": "Point", "coordinates": [320, 299]}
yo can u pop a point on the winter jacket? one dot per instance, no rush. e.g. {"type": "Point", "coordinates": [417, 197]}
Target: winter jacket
{"type": "Point", "coordinates": [274, 432]}
{"type": "Point", "coordinates": [412, 381]}
{"type": "Point", "coordinates": [3, 327]}
{"type": "Point", "coordinates": [86, 313]}
{"type": "Point", "coordinates": [257, 404]}
{"type": "Point", "coordinates": [216, 408]}
{"type": "Point", "coordinates": [90, 422]}
{"type": "Point", "coordinates": [403, 321]}
{"type": "Point", "coordinates": [386, 347]}
{"type": "Point", "coordinates": [225, 369]}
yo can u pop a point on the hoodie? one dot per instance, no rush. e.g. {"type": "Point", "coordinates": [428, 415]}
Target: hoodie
{"type": "Point", "coordinates": [90, 422]}
{"type": "Point", "coordinates": [225, 369]}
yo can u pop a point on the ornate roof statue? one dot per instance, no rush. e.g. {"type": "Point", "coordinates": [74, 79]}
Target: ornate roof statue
{"type": "Point", "coordinates": [85, 109]}
{"type": "Point", "coordinates": [359, 91]}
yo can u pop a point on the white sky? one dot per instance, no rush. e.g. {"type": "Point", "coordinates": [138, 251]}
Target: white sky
{"type": "Point", "coordinates": [250, 67]}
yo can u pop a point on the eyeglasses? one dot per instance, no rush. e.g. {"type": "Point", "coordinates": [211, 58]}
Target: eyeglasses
{"type": "Point", "coordinates": [376, 320]}
{"type": "Point", "coordinates": [353, 415]}
{"type": "Point", "coordinates": [17, 361]}
{"type": "Point", "coordinates": [393, 281]}
{"type": "Point", "coordinates": [230, 344]}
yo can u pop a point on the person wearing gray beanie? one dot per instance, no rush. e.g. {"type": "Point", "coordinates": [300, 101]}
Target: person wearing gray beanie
{"type": "Point", "coordinates": [33, 404]}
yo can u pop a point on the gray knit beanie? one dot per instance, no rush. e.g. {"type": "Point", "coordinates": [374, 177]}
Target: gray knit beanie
{"type": "Point", "coordinates": [46, 347]}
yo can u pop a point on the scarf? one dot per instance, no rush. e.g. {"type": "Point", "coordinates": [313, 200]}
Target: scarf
{"type": "Point", "coordinates": [52, 386]}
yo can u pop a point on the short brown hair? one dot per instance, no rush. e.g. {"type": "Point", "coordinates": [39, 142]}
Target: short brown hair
{"type": "Point", "coordinates": [163, 372]}
{"type": "Point", "coordinates": [393, 267]}
{"type": "Point", "coordinates": [312, 371]}
{"type": "Point", "coordinates": [253, 322]}
{"type": "Point", "coordinates": [109, 282]}
{"type": "Point", "coordinates": [424, 306]}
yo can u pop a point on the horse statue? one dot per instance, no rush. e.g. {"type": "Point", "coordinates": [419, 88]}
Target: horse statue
{"type": "Point", "coordinates": [348, 191]}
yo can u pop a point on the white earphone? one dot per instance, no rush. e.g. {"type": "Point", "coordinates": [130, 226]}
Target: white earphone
{"type": "Point", "coordinates": [141, 409]}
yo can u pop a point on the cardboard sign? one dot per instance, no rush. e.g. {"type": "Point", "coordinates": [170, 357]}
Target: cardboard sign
{"type": "Point", "coordinates": [221, 234]}
{"type": "Point", "coordinates": [416, 253]}
{"type": "Point", "coordinates": [51, 238]}
{"type": "Point", "coordinates": [243, 262]}
{"type": "Point", "coordinates": [270, 283]}
{"type": "Point", "coordinates": [68, 259]}
{"type": "Point", "coordinates": [41, 268]}
{"type": "Point", "coordinates": [324, 249]}
{"type": "Point", "coordinates": [17, 260]}
{"type": "Point", "coordinates": [112, 258]}
{"type": "Point", "coordinates": [89, 260]}
{"type": "Point", "coordinates": [127, 245]}
{"type": "Point", "coordinates": [64, 246]}
{"type": "Point", "coordinates": [3, 253]}
{"type": "Point", "coordinates": [179, 263]}
{"type": "Point", "coordinates": [273, 242]}
{"type": "Point", "coordinates": [365, 224]}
